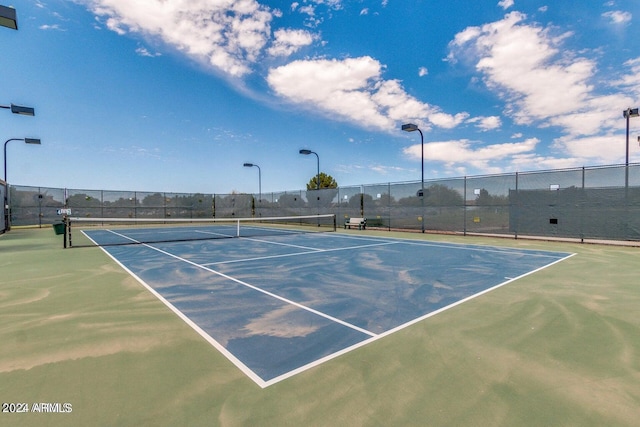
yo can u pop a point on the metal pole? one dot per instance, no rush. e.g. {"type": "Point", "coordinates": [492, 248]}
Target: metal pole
{"type": "Point", "coordinates": [410, 127]}
{"type": "Point", "coordinates": [5, 154]}
{"type": "Point", "coordinates": [464, 207]}
{"type": "Point", "coordinates": [259, 184]}
{"type": "Point", "coordinates": [259, 187]}
{"type": "Point", "coordinates": [626, 162]}
{"type": "Point", "coordinates": [318, 170]}
{"type": "Point", "coordinates": [318, 188]}
{"type": "Point", "coordinates": [627, 156]}
{"type": "Point", "coordinates": [251, 165]}
{"type": "Point", "coordinates": [7, 214]}
{"type": "Point", "coordinates": [422, 177]}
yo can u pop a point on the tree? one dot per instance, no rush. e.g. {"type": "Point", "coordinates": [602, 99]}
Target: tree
{"type": "Point", "coordinates": [290, 201]}
{"type": "Point", "coordinates": [326, 181]}
{"type": "Point", "coordinates": [486, 199]}
{"type": "Point", "coordinates": [441, 195]}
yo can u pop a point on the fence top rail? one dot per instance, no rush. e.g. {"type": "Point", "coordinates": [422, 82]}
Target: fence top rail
{"type": "Point", "coordinates": [299, 191]}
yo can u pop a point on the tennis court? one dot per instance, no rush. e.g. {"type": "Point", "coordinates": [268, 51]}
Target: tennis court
{"type": "Point", "coordinates": [276, 304]}
{"type": "Point", "coordinates": [559, 346]}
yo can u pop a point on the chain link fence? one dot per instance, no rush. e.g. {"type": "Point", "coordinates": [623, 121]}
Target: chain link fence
{"type": "Point", "coordinates": [583, 203]}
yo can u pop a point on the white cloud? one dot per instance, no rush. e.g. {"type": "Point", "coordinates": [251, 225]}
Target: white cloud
{"type": "Point", "coordinates": [233, 36]}
{"type": "Point", "coordinates": [423, 71]}
{"type": "Point", "coordinates": [314, 8]}
{"type": "Point", "coordinates": [630, 80]}
{"type": "Point", "coordinates": [486, 123]}
{"type": "Point", "coordinates": [288, 41]}
{"type": "Point", "coordinates": [229, 35]}
{"type": "Point", "coordinates": [618, 17]}
{"type": "Point", "coordinates": [353, 90]}
{"type": "Point", "coordinates": [598, 148]}
{"type": "Point", "coordinates": [364, 11]}
{"type": "Point", "coordinates": [541, 82]}
{"type": "Point", "coordinates": [51, 27]}
{"type": "Point", "coordinates": [143, 51]}
{"type": "Point", "coordinates": [458, 153]}
{"type": "Point", "coordinates": [308, 10]}
{"type": "Point", "coordinates": [505, 4]}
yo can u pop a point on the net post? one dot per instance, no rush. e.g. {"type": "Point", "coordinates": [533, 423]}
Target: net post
{"type": "Point", "coordinates": [65, 221]}
{"type": "Point", "coordinates": [238, 228]}
{"type": "Point", "coordinates": [68, 231]}
{"type": "Point", "coordinates": [334, 222]}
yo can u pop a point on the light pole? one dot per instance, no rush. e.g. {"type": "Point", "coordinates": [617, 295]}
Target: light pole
{"type": "Point", "coordinates": [627, 114]}
{"type": "Point", "coordinates": [26, 140]}
{"type": "Point", "coordinates": [251, 165]}
{"type": "Point", "coordinates": [306, 153]}
{"type": "Point", "coordinates": [410, 127]}
{"type": "Point", "coordinates": [6, 201]}
{"type": "Point", "coordinates": [8, 17]}
{"type": "Point", "coordinates": [24, 111]}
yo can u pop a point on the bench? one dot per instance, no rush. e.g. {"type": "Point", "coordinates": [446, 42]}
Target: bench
{"type": "Point", "coordinates": [361, 223]}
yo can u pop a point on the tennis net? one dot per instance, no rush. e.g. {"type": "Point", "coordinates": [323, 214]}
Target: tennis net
{"type": "Point", "coordinates": [82, 232]}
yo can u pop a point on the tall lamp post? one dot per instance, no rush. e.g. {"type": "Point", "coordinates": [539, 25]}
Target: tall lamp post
{"type": "Point", "coordinates": [8, 17]}
{"type": "Point", "coordinates": [6, 201]}
{"type": "Point", "coordinates": [410, 127]}
{"type": "Point", "coordinates": [306, 153]}
{"type": "Point", "coordinates": [627, 114]}
{"type": "Point", "coordinates": [26, 140]}
{"type": "Point", "coordinates": [251, 165]}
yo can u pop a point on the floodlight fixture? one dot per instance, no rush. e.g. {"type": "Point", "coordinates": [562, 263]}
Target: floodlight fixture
{"type": "Point", "coordinates": [19, 109]}
{"type": "Point", "coordinates": [8, 17]}
{"type": "Point", "coordinates": [410, 127]}
{"type": "Point", "coordinates": [630, 112]}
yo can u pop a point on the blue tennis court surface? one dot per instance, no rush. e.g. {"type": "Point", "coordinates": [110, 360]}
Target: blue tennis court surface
{"type": "Point", "coordinates": [278, 305]}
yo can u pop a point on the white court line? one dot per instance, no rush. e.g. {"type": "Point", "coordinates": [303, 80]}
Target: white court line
{"type": "Point", "coordinates": [243, 368]}
{"type": "Point", "coordinates": [405, 325]}
{"type": "Point", "coordinates": [213, 234]}
{"type": "Point", "coordinates": [460, 246]}
{"type": "Point", "coordinates": [281, 244]}
{"type": "Point", "coordinates": [271, 294]}
{"type": "Point", "coordinates": [312, 251]}
{"type": "Point", "coordinates": [374, 337]}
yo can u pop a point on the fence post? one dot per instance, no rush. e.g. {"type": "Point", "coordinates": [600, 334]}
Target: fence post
{"type": "Point", "coordinates": [464, 207]}
{"type": "Point", "coordinates": [516, 213]}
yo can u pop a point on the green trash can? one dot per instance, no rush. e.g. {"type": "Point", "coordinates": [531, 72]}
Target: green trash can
{"type": "Point", "coordinates": [59, 228]}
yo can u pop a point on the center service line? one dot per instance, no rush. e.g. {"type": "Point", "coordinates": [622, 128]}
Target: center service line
{"type": "Point", "coordinates": [309, 309]}
{"type": "Point", "coordinates": [312, 251]}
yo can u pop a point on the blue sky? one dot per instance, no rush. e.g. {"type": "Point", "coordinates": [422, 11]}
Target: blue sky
{"type": "Point", "coordinates": [175, 95]}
